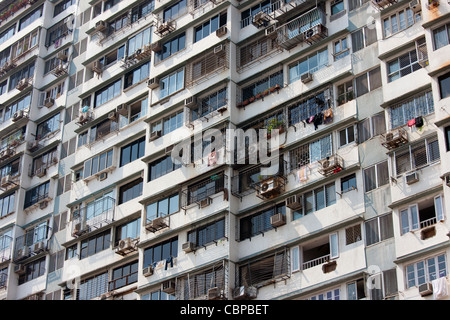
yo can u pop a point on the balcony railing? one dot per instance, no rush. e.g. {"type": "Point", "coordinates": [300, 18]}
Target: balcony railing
{"type": "Point", "coordinates": [200, 193]}
{"type": "Point", "coordinates": [94, 215]}
{"type": "Point", "coordinates": [315, 262]}
{"type": "Point", "coordinates": [32, 243]}
{"type": "Point", "coordinates": [309, 27]}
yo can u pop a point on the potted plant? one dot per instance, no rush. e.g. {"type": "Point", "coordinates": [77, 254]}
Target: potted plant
{"type": "Point", "coordinates": [265, 92]}
{"type": "Point", "coordinates": [245, 102]}
{"type": "Point", "coordinates": [258, 95]}
{"type": "Point", "coordinates": [432, 4]}
{"type": "Point", "coordinates": [251, 99]}
{"type": "Point", "coordinates": [274, 124]}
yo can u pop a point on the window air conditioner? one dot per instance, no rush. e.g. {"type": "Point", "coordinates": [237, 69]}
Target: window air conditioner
{"type": "Point", "coordinates": [97, 67]}
{"type": "Point", "coordinates": [219, 50]}
{"type": "Point", "coordinates": [270, 31]}
{"type": "Point", "coordinates": [168, 287]}
{"type": "Point", "coordinates": [205, 202]}
{"type": "Point", "coordinates": [125, 244]}
{"type": "Point", "coordinates": [19, 269]}
{"type": "Point", "coordinates": [244, 292]}
{"type": "Point", "coordinates": [190, 102]}
{"type": "Point", "coordinates": [6, 181]}
{"type": "Point", "coordinates": [22, 252]}
{"type": "Point", "coordinates": [100, 26]}
{"type": "Point", "coordinates": [41, 172]}
{"type": "Point", "coordinates": [156, 47]}
{"type": "Point", "coordinates": [269, 186]}
{"type": "Point", "coordinates": [17, 115]}
{"type": "Point", "coordinates": [43, 205]}
{"type": "Point", "coordinates": [102, 176]}
{"type": "Point", "coordinates": [294, 202]}
{"type": "Point", "coordinates": [122, 109]}
{"type": "Point", "coordinates": [214, 293]}
{"type": "Point", "coordinates": [49, 102]}
{"type": "Point", "coordinates": [306, 77]}
{"type": "Point", "coordinates": [414, 5]}
{"type": "Point", "coordinates": [112, 116]}
{"type": "Point", "coordinates": [188, 247]}
{"type": "Point", "coordinates": [221, 31]}
{"type": "Point", "coordinates": [38, 247]}
{"type": "Point", "coordinates": [447, 180]}
{"type": "Point", "coordinates": [153, 83]}
{"type": "Point", "coordinates": [155, 135]}
{"type": "Point", "coordinates": [148, 271]}
{"type": "Point", "coordinates": [426, 289]}
{"type": "Point", "coordinates": [412, 178]}
{"type": "Point", "coordinates": [277, 220]}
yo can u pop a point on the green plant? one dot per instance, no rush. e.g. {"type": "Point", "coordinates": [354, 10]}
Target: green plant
{"type": "Point", "coordinates": [274, 123]}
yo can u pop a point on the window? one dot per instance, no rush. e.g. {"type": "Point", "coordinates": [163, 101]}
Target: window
{"type": "Point", "coordinates": [171, 47]}
{"type": "Point", "coordinates": [101, 130]}
{"type": "Point", "coordinates": [25, 73]}
{"type": "Point", "coordinates": [56, 261]}
{"type": "Point", "coordinates": [48, 126]}
{"type": "Point", "coordinates": [162, 251]}
{"type": "Point", "coordinates": [353, 234]}
{"type": "Point", "coordinates": [59, 221]}
{"type": "Point", "coordinates": [162, 167]}
{"type": "Point", "coordinates": [30, 18]}
{"type": "Point", "coordinates": [130, 191]}
{"type": "Point", "coordinates": [316, 199]}
{"type": "Point", "coordinates": [108, 93]}
{"type": "Point", "coordinates": [163, 207]}
{"type": "Point", "coordinates": [447, 138]}
{"type": "Point", "coordinates": [337, 6]}
{"type": "Point", "coordinates": [263, 85]}
{"type": "Point", "coordinates": [128, 230]}
{"type": "Point", "coordinates": [257, 223]}
{"type": "Point", "coordinates": [341, 48]}
{"type": "Point", "coordinates": [71, 252]}
{"type": "Point", "coordinates": [112, 57]}
{"type": "Point", "coordinates": [346, 136]}
{"type": "Point", "coordinates": [62, 6]}
{"type": "Point", "coordinates": [205, 188]}
{"type": "Point", "coordinates": [82, 139]}
{"type": "Point", "coordinates": [420, 105]}
{"type": "Point", "coordinates": [16, 136]}
{"type": "Point", "coordinates": [175, 11]}
{"type": "Point", "coordinates": [371, 127]}
{"type": "Point", "coordinates": [36, 194]}
{"type": "Point", "coordinates": [21, 104]}
{"type": "Point", "coordinates": [348, 183]}
{"type": "Point", "coordinates": [311, 152]}
{"type": "Point", "coordinates": [11, 168]}
{"type": "Point", "coordinates": [329, 295]}
{"type": "Point", "coordinates": [95, 244]}
{"type": "Point", "coordinates": [363, 37]}
{"type": "Point", "coordinates": [210, 103]}
{"type": "Point", "coordinates": [265, 6]}
{"type": "Point", "coordinates": [33, 270]}
{"type": "Point", "coordinates": [444, 85]}
{"type": "Point", "coordinates": [400, 21]}
{"type": "Point", "coordinates": [426, 270]}
{"type": "Point", "coordinates": [44, 161]}
{"type": "Point", "coordinates": [24, 45]}
{"type": "Point", "coordinates": [93, 287]}
{"type": "Point", "coordinates": [124, 276]}
{"type": "Point", "coordinates": [172, 83]}
{"type": "Point", "coordinates": [140, 40]}
{"type": "Point", "coordinates": [210, 26]}
{"type": "Point", "coordinates": [441, 36]}
{"type": "Point", "coordinates": [169, 123]}
{"type": "Point", "coordinates": [55, 33]}
{"type": "Point", "coordinates": [110, 3]}
{"type": "Point", "coordinates": [8, 33]}
{"type": "Point", "coordinates": [254, 50]}
{"type": "Point", "coordinates": [355, 290]}
{"type": "Point", "coordinates": [158, 295]}
{"type": "Point", "coordinates": [207, 234]}
{"type": "Point", "coordinates": [7, 205]}
{"type": "Point", "coordinates": [402, 65]}
{"type": "Point", "coordinates": [98, 163]}
{"type": "Point", "coordinates": [142, 10]}
{"type": "Point", "coordinates": [417, 155]}
{"type": "Point", "coordinates": [311, 63]}
{"type": "Point", "coordinates": [422, 214]}
{"type": "Point", "coordinates": [197, 285]}
{"type": "Point", "coordinates": [260, 272]}
{"type": "Point", "coordinates": [376, 176]}
{"type": "Point", "coordinates": [132, 151]}
{"type": "Point", "coordinates": [135, 111]}
{"type": "Point", "coordinates": [368, 81]}
{"type": "Point", "coordinates": [118, 23]}
{"type": "Point", "coordinates": [379, 229]}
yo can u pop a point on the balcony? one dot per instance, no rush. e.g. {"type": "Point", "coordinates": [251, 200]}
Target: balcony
{"type": "Point", "coordinates": [93, 215]}
{"type": "Point", "coordinates": [260, 51]}
{"type": "Point", "coordinates": [41, 171]}
{"type": "Point", "coordinates": [309, 28]}
{"type": "Point", "coordinates": [200, 193]}
{"type": "Point", "coordinates": [331, 165]}
{"type": "Point", "coordinates": [394, 138]}
{"type": "Point", "coordinates": [9, 181]}
{"type": "Point", "coordinates": [32, 243]}
{"type": "Point", "coordinates": [382, 4]}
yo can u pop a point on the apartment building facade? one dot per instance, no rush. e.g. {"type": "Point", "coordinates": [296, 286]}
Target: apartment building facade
{"type": "Point", "coordinates": [95, 96]}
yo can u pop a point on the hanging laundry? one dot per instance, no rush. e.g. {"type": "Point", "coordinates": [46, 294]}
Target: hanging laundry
{"type": "Point", "coordinates": [411, 122]}
{"type": "Point", "coordinates": [212, 158]}
{"type": "Point", "coordinates": [328, 116]}
{"type": "Point", "coordinates": [311, 119]}
{"type": "Point", "coordinates": [419, 121]}
{"type": "Point", "coordinates": [303, 174]}
{"type": "Point", "coordinates": [318, 119]}
{"type": "Point", "coordinates": [440, 288]}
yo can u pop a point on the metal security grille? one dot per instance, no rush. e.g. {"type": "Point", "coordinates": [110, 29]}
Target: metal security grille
{"type": "Point", "coordinates": [417, 155]}
{"type": "Point", "coordinates": [256, 51]}
{"type": "Point", "coordinates": [353, 234]}
{"type": "Point", "coordinates": [210, 63]}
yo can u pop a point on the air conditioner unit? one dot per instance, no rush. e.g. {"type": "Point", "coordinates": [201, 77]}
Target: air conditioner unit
{"type": "Point", "coordinates": [102, 176]}
{"type": "Point", "coordinates": [270, 31]}
{"type": "Point", "coordinates": [221, 31]}
{"type": "Point", "coordinates": [22, 252]}
{"type": "Point", "coordinates": [294, 202]}
{"type": "Point", "coordinates": [22, 84]}
{"type": "Point", "coordinates": [214, 293]}
{"type": "Point", "coordinates": [414, 5]}
{"type": "Point", "coordinates": [153, 83]}
{"type": "Point", "coordinates": [41, 172]}
{"type": "Point", "coordinates": [148, 271]}
{"type": "Point", "coordinates": [156, 224]}
{"type": "Point", "coordinates": [244, 292]}
{"type": "Point", "coordinates": [306, 77]}
{"type": "Point", "coordinates": [426, 289]}
{"type": "Point", "coordinates": [85, 117]}
{"type": "Point", "coordinates": [43, 205]}
{"type": "Point", "coordinates": [77, 230]}
{"type": "Point", "coordinates": [38, 247]}
{"type": "Point", "coordinates": [6, 181]}
{"type": "Point", "coordinates": [188, 246]}
{"type": "Point", "coordinates": [190, 102]}
{"type": "Point", "coordinates": [112, 116]}
{"type": "Point", "coordinates": [62, 56]}
{"type": "Point", "coordinates": [278, 220]}
{"type": "Point", "coordinates": [122, 109]}
{"type": "Point", "coordinates": [447, 180]}
{"type": "Point", "coordinates": [19, 269]}
{"type": "Point", "coordinates": [101, 26]}
{"type": "Point", "coordinates": [49, 102]}
{"type": "Point", "coordinates": [412, 178]}
{"type": "Point", "coordinates": [32, 146]}
{"type": "Point", "coordinates": [269, 186]}
{"type": "Point", "coordinates": [125, 244]}
{"type": "Point", "coordinates": [155, 135]}
{"type": "Point", "coordinates": [219, 50]}
{"type": "Point", "coordinates": [17, 115]}
{"type": "Point", "coordinates": [97, 67]}
{"type": "Point", "coordinates": [260, 19]}
{"type": "Point", "coordinates": [205, 202]}
{"type": "Point", "coordinates": [168, 287]}
{"type": "Point", "coordinates": [156, 47]}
